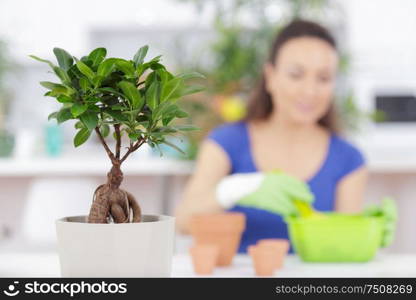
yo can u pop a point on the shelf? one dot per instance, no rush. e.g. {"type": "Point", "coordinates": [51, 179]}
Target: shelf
{"type": "Point", "coordinates": [380, 160]}
{"type": "Point", "coordinates": [90, 166]}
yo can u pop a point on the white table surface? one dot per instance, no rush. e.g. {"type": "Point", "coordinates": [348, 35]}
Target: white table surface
{"type": "Point", "coordinates": [384, 265]}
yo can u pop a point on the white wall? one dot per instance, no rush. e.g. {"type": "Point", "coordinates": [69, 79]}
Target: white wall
{"type": "Point", "coordinates": [380, 35]}
{"type": "Point", "coordinates": [35, 27]}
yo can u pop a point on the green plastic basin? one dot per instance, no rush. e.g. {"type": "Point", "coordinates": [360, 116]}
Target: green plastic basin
{"type": "Point", "coordinates": [336, 237]}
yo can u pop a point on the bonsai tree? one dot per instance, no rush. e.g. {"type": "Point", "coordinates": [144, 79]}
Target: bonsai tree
{"type": "Point", "coordinates": [132, 99]}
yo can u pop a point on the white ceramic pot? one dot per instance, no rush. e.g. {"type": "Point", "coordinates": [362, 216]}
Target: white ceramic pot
{"type": "Point", "coordinates": [142, 249]}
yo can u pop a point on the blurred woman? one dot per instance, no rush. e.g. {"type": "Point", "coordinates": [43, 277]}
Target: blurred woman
{"type": "Point", "coordinates": [290, 126]}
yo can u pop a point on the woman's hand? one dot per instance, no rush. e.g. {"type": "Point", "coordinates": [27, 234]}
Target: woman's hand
{"type": "Point", "coordinates": [272, 191]}
{"type": "Point", "coordinates": [211, 190]}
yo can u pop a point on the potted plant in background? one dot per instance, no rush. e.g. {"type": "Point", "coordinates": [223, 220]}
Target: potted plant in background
{"type": "Point", "coordinates": [123, 100]}
{"type": "Point", "coordinates": [238, 50]}
{"type": "Point", "coordinates": [6, 137]}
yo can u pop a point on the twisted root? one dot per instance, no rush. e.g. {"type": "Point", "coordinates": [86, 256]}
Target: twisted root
{"type": "Point", "coordinates": [113, 204]}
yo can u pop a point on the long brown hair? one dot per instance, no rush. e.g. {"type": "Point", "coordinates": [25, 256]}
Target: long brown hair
{"type": "Point", "coordinates": [260, 104]}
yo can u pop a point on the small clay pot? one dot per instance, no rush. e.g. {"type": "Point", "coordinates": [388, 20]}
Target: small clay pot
{"type": "Point", "coordinates": [221, 229]}
{"type": "Point", "coordinates": [280, 247]}
{"type": "Point", "coordinates": [204, 258]}
{"type": "Point", "coordinates": [263, 260]}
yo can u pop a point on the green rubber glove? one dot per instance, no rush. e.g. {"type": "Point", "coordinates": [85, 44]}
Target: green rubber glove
{"type": "Point", "coordinates": [277, 194]}
{"type": "Point", "coordinates": [387, 210]}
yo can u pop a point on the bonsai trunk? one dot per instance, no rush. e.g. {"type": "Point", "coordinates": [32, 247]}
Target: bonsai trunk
{"type": "Point", "coordinates": [110, 202]}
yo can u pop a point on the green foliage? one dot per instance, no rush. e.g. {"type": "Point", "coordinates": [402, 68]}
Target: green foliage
{"type": "Point", "coordinates": [240, 48]}
{"type": "Point", "coordinates": [239, 53]}
{"type": "Point", "coordinates": [101, 92]}
{"type": "Point", "coordinates": [7, 67]}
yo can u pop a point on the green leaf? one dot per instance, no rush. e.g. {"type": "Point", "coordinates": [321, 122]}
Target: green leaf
{"type": "Point", "coordinates": [169, 88]}
{"type": "Point", "coordinates": [157, 66]}
{"type": "Point", "coordinates": [163, 75]}
{"type": "Point", "coordinates": [56, 89]}
{"type": "Point", "coordinates": [97, 56]}
{"type": "Point", "coordinates": [118, 107]}
{"type": "Point", "coordinates": [51, 85]}
{"type": "Point", "coordinates": [92, 100]}
{"type": "Point", "coordinates": [43, 60]}
{"type": "Point", "coordinates": [191, 75]}
{"type": "Point", "coordinates": [132, 114]}
{"type": "Point", "coordinates": [84, 84]}
{"type": "Point", "coordinates": [163, 109]}
{"type": "Point", "coordinates": [168, 109]}
{"type": "Point", "coordinates": [62, 74]}
{"type": "Point", "coordinates": [125, 66]}
{"type": "Point", "coordinates": [186, 127]}
{"type": "Point", "coordinates": [86, 61]}
{"type": "Point", "coordinates": [78, 109]}
{"type": "Point", "coordinates": [150, 78]}
{"type": "Point", "coordinates": [106, 67]}
{"type": "Point", "coordinates": [53, 115]}
{"type": "Point", "coordinates": [155, 59]}
{"type": "Point", "coordinates": [74, 73]}
{"type": "Point", "coordinates": [166, 121]}
{"type": "Point", "coordinates": [81, 137]}
{"type": "Point", "coordinates": [56, 93]}
{"type": "Point", "coordinates": [142, 118]}
{"type": "Point", "coordinates": [64, 99]}
{"type": "Point", "coordinates": [174, 146]}
{"type": "Point", "coordinates": [141, 68]}
{"type": "Point", "coordinates": [94, 108]}
{"type": "Point", "coordinates": [188, 90]}
{"type": "Point", "coordinates": [116, 115]}
{"type": "Point", "coordinates": [132, 94]}
{"type": "Point", "coordinates": [65, 60]}
{"type": "Point", "coordinates": [89, 119]}
{"type": "Point", "coordinates": [166, 129]}
{"type": "Point", "coordinates": [84, 69]}
{"type": "Point", "coordinates": [185, 90]}
{"type": "Point", "coordinates": [134, 136]}
{"type": "Point", "coordinates": [181, 114]}
{"type": "Point", "coordinates": [140, 55]}
{"type": "Point", "coordinates": [111, 91]}
{"type": "Point", "coordinates": [152, 95]}
{"type": "Point", "coordinates": [97, 80]}
{"type": "Point", "coordinates": [63, 115]}
{"type": "Point", "coordinates": [79, 125]}
{"type": "Point", "coordinates": [104, 130]}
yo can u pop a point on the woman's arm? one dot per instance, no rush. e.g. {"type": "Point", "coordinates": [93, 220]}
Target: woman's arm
{"type": "Point", "coordinates": [350, 192]}
{"type": "Point", "coordinates": [199, 196]}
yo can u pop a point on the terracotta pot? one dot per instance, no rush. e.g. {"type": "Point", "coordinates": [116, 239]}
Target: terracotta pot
{"type": "Point", "coordinates": [221, 229]}
{"type": "Point", "coordinates": [204, 258]}
{"type": "Point", "coordinates": [264, 259]}
{"type": "Point", "coordinates": [280, 247]}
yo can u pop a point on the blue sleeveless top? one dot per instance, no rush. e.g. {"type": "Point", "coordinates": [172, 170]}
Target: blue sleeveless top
{"type": "Point", "coordinates": [342, 158]}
